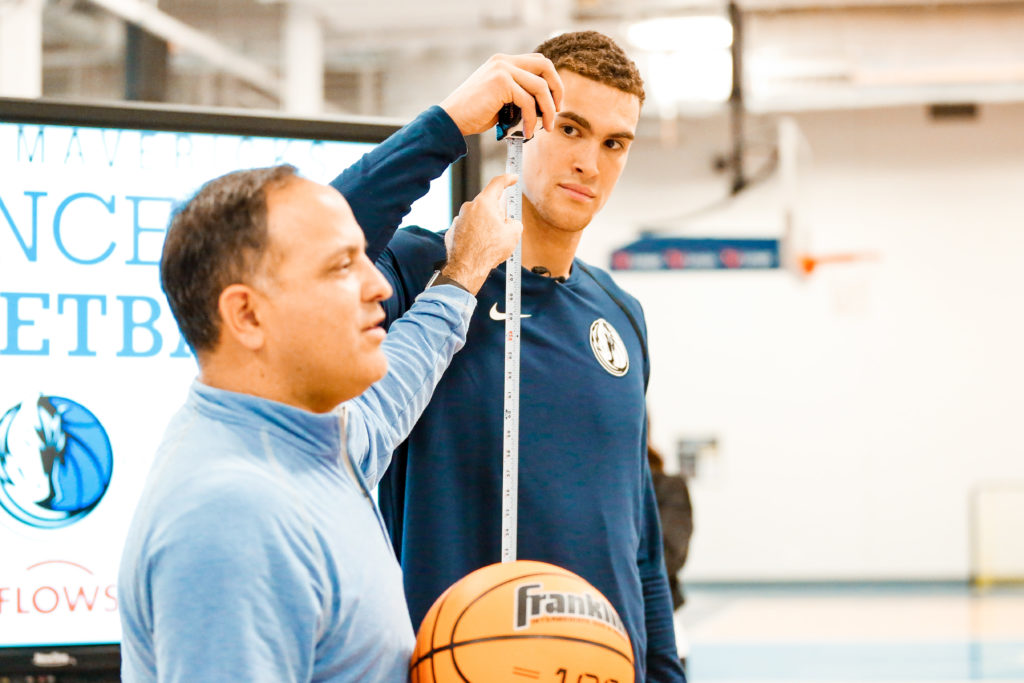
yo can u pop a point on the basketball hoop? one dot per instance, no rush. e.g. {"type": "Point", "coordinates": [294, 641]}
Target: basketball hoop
{"type": "Point", "coordinates": [806, 264]}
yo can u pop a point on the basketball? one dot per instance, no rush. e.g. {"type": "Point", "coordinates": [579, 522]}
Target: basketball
{"type": "Point", "coordinates": [518, 622]}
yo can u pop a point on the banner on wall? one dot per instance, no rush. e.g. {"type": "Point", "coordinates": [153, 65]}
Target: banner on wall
{"type": "Point", "coordinates": [698, 253]}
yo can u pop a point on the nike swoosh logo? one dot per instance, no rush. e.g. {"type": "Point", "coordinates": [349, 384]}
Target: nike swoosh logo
{"type": "Point", "coordinates": [498, 315]}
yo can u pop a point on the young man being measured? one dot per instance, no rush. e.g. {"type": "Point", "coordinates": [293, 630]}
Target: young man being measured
{"type": "Point", "coordinates": [586, 501]}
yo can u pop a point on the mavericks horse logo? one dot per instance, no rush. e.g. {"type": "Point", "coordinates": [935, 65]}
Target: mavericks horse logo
{"type": "Point", "coordinates": [55, 462]}
{"type": "Point", "coordinates": [608, 348]}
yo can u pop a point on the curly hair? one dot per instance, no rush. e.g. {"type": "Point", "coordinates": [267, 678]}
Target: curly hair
{"type": "Point", "coordinates": [595, 56]}
{"type": "Point", "coordinates": [215, 240]}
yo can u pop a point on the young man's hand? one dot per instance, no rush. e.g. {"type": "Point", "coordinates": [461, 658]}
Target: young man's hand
{"type": "Point", "coordinates": [481, 237]}
{"type": "Point", "coordinates": [528, 81]}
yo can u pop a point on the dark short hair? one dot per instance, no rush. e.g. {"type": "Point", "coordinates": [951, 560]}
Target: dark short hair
{"type": "Point", "coordinates": [216, 239]}
{"type": "Point", "coordinates": [597, 57]}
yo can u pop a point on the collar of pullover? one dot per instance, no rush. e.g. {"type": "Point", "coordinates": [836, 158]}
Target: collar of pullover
{"type": "Point", "coordinates": [316, 433]}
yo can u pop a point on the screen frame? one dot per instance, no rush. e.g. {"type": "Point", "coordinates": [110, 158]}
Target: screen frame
{"type": "Point", "coordinates": [466, 181]}
{"type": "Point", "coordinates": [105, 658]}
{"type": "Point", "coordinates": [101, 659]}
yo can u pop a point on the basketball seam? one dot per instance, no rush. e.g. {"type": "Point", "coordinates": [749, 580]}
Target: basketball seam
{"type": "Point", "coordinates": [455, 626]}
{"type": "Point", "coordinates": [520, 636]}
{"type": "Point", "coordinates": [440, 608]}
{"type": "Point", "coordinates": [433, 632]}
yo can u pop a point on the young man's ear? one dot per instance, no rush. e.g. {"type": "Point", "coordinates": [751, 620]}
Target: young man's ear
{"type": "Point", "coordinates": [239, 313]}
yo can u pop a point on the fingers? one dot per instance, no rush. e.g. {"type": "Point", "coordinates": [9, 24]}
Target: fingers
{"type": "Point", "coordinates": [497, 185]}
{"type": "Point", "coordinates": [530, 93]}
{"type": "Point", "coordinates": [491, 196]}
{"type": "Point", "coordinates": [494, 194]}
{"type": "Point", "coordinates": [481, 237]}
{"type": "Point", "coordinates": [527, 106]}
{"type": "Point", "coordinates": [517, 232]}
{"type": "Point", "coordinates": [542, 82]}
{"type": "Point", "coordinates": [536, 85]}
{"type": "Point", "coordinates": [529, 81]}
{"type": "Point", "coordinates": [541, 66]}
{"type": "Point", "coordinates": [555, 88]}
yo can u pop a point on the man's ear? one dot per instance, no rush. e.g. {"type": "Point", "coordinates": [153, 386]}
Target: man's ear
{"type": "Point", "coordinates": [238, 305]}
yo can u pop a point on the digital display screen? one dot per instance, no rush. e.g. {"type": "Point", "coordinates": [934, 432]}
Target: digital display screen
{"type": "Point", "coordinates": [92, 366]}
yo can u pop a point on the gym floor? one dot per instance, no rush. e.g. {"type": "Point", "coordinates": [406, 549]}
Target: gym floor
{"type": "Point", "coordinates": [877, 633]}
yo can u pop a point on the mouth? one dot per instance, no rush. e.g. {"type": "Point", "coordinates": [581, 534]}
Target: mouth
{"type": "Point", "coordinates": [578, 192]}
{"type": "Point", "coordinates": [376, 327]}
{"type": "Point", "coordinates": [375, 335]}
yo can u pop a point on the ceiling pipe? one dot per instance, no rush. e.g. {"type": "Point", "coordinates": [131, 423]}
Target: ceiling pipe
{"type": "Point", "coordinates": [737, 108]}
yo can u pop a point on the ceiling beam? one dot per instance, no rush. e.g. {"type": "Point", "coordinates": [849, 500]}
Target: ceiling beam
{"type": "Point", "coordinates": [182, 36]}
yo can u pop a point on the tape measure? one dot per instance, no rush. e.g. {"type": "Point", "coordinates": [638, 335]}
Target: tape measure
{"type": "Point", "coordinates": [510, 130]}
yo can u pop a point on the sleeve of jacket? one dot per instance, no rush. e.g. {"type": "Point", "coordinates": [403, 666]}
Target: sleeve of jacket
{"type": "Point", "coordinates": [419, 347]}
{"type": "Point", "coordinates": [382, 186]}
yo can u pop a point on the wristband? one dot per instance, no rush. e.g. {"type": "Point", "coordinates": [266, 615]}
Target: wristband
{"type": "Point", "coordinates": [440, 279]}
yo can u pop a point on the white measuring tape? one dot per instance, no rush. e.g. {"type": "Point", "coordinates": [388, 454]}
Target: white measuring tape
{"type": "Point", "coordinates": [513, 136]}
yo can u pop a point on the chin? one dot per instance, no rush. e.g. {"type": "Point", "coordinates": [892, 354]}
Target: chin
{"type": "Point", "coordinates": [352, 385]}
{"type": "Point", "coordinates": [570, 218]}
{"type": "Point", "coordinates": [378, 367]}
{"type": "Point", "coordinates": [570, 222]}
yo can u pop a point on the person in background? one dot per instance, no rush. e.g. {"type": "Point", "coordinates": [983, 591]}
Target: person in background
{"type": "Point", "coordinates": [676, 513]}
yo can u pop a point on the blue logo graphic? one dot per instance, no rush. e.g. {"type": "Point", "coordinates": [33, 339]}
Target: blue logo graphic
{"type": "Point", "coordinates": [55, 462]}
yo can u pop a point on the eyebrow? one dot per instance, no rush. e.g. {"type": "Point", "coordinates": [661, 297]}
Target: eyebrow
{"type": "Point", "coordinates": [349, 249]}
{"type": "Point", "coordinates": [585, 124]}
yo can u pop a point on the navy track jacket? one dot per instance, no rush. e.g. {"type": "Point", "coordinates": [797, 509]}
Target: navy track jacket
{"type": "Point", "coordinates": [586, 501]}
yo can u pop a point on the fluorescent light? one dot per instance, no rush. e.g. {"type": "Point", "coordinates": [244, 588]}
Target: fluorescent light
{"type": "Point", "coordinates": [686, 77]}
{"type": "Point", "coordinates": [681, 34]}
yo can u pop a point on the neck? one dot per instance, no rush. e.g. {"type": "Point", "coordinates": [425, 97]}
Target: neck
{"type": "Point", "coordinates": [233, 369]}
{"type": "Point", "coordinates": [219, 371]}
{"type": "Point", "coordinates": [547, 246]}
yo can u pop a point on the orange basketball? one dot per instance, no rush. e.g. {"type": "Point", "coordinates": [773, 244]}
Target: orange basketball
{"type": "Point", "coordinates": [520, 622]}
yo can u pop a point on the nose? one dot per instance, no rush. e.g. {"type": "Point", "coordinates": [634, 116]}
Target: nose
{"type": "Point", "coordinates": [375, 285]}
{"type": "Point", "coordinates": [585, 161]}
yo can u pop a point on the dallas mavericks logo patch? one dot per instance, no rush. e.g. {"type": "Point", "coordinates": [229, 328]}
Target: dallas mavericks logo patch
{"type": "Point", "coordinates": [611, 353]}
{"type": "Point", "coordinates": [55, 462]}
